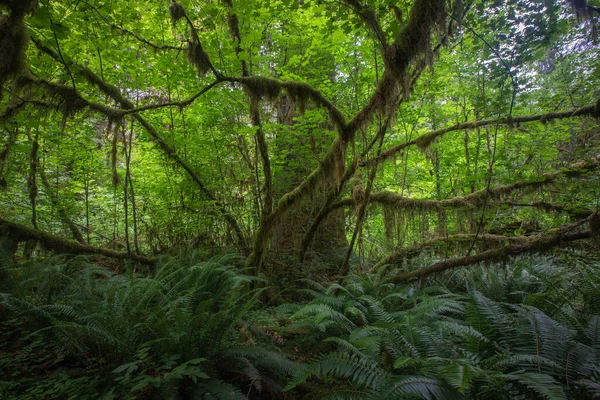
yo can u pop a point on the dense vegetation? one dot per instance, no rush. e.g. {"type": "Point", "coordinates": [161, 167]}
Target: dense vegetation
{"type": "Point", "coordinates": [299, 199]}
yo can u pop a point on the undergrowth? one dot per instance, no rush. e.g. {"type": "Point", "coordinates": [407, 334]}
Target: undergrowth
{"type": "Point", "coordinates": [71, 328]}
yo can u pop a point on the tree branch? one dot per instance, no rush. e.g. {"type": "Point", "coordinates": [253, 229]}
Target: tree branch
{"type": "Point", "coordinates": [539, 245]}
{"type": "Point", "coordinates": [424, 140]}
{"type": "Point", "coordinates": [21, 233]}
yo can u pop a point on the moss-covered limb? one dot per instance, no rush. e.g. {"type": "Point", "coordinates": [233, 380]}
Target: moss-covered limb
{"type": "Point", "coordinates": [299, 91]}
{"type": "Point", "coordinates": [488, 240]}
{"type": "Point", "coordinates": [412, 43]}
{"type": "Point", "coordinates": [62, 213]}
{"type": "Point", "coordinates": [477, 198]}
{"type": "Point", "coordinates": [368, 17]}
{"type": "Point", "coordinates": [66, 99]}
{"type": "Point", "coordinates": [22, 233]}
{"type": "Point", "coordinates": [114, 93]}
{"type": "Point", "coordinates": [470, 201]}
{"type": "Point", "coordinates": [71, 100]}
{"type": "Point", "coordinates": [542, 244]}
{"type": "Point", "coordinates": [558, 208]}
{"type": "Point", "coordinates": [426, 139]}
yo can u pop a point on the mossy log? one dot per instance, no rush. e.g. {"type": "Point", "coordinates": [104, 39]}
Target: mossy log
{"type": "Point", "coordinates": [21, 233]}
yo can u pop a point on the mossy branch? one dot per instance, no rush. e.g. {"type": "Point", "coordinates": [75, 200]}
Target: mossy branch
{"type": "Point", "coordinates": [477, 198]}
{"type": "Point", "coordinates": [300, 92]}
{"type": "Point", "coordinates": [426, 139]}
{"type": "Point", "coordinates": [542, 244]}
{"type": "Point", "coordinates": [407, 253]}
{"type": "Point", "coordinates": [22, 233]}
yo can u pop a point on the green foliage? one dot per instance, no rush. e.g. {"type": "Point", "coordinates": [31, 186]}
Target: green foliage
{"type": "Point", "coordinates": [439, 343]}
{"type": "Point", "coordinates": [86, 331]}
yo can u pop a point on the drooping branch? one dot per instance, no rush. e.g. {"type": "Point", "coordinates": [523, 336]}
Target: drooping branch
{"type": "Point", "coordinates": [541, 244]}
{"type": "Point", "coordinates": [426, 139]}
{"type": "Point", "coordinates": [477, 198]}
{"type": "Point", "coordinates": [22, 233]}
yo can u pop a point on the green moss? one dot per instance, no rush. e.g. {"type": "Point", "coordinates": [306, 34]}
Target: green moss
{"type": "Point", "coordinates": [262, 87]}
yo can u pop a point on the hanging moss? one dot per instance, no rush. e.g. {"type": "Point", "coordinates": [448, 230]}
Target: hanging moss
{"type": "Point", "coordinates": [66, 98]}
{"type": "Point", "coordinates": [424, 142]}
{"type": "Point", "coordinates": [198, 57]}
{"type": "Point", "coordinates": [176, 11]}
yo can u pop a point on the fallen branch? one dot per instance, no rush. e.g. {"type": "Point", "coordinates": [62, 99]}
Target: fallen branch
{"type": "Point", "coordinates": [22, 233]}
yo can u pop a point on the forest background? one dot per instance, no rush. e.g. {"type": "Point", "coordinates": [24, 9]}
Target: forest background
{"type": "Point", "coordinates": [402, 140]}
